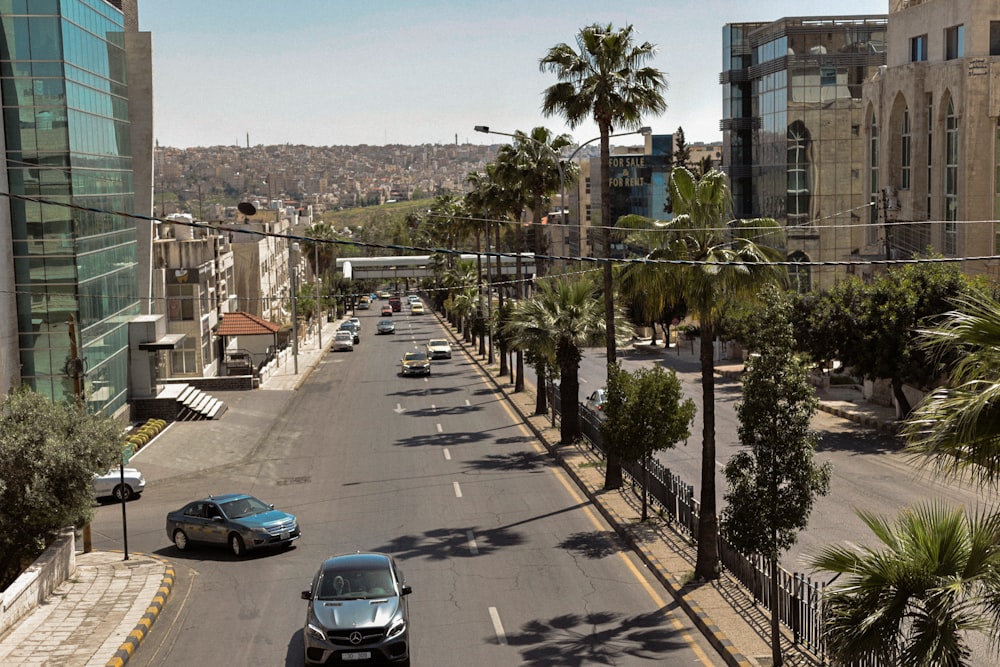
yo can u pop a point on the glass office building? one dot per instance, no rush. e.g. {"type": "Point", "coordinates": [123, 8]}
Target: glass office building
{"type": "Point", "coordinates": [66, 139]}
{"type": "Point", "coordinates": [792, 141]}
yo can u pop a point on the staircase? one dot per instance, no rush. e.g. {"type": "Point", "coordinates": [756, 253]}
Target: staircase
{"type": "Point", "coordinates": [192, 403]}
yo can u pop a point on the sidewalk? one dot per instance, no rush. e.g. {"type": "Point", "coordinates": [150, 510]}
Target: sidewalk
{"type": "Point", "coordinates": [103, 612]}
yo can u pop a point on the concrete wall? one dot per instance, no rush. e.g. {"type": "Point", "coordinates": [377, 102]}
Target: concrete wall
{"type": "Point", "coordinates": [53, 567]}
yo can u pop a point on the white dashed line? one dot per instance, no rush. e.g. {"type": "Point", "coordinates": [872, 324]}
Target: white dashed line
{"type": "Point", "coordinates": [458, 490]}
{"type": "Point", "coordinates": [473, 549]}
{"type": "Point", "coordinates": [467, 402]}
{"type": "Point", "coordinates": [447, 454]}
{"type": "Point", "coordinates": [498, 626]}
{"type": "Point", "coordinates": [440, 430]}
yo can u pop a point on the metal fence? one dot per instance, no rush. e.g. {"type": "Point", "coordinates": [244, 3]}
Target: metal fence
{"type": "Point", "coordinates": [800, 599]}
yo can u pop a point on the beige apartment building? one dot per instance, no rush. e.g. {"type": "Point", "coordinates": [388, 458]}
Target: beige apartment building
{"type": "Point", "coordinates": [932, 134]}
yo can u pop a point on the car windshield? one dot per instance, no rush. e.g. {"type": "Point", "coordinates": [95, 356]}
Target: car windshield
{"type": "Point", "coordinates": [414, 356]}
{"type": "Point", "coordinates": [438, 343]}
{"type": "Point", "coordinates": [339, 583]}
{"type": "Point", "coordinates": [241, 507]}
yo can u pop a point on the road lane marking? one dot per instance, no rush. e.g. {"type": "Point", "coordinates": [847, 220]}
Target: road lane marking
{"type": "Point", "coordinates": [471, 539]}
{"type": "Point", "coordinates": [447, 454]}
{"type": "Point", "coordinates": [440, 430]}
{"type": "Point", "coordinates": [399, 409]}
{"type": "Point", "coordinates": [467, 403]}
{"type": "Point", "coordinates": [498, 626]}
{"type": "Point", "coordinates": [458, 490]}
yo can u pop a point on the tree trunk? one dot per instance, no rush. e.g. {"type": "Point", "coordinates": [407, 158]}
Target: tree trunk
{"type": "Point", "coordinates": [519, 376]}
{"type": "Point", "coordinates": [569, 404]}
{"type": "Point", "coordinates": [541, 402]}
{"type": "Point", "coordinates": [707, 565]}
{"type": "Point", "coordinates": [902, 403]}
{"type": "Point", "coordinates": [776, 659]}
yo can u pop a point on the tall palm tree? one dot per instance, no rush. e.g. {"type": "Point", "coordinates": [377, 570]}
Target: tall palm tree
{"type": "Point", "coordinates": [957, 427]}
{"type": "Point", "coordinates": [913, 600]}
{"type": "Point", "coordinates": [710, 263]}
{"type": "Point", "coordinates": [606, 81]}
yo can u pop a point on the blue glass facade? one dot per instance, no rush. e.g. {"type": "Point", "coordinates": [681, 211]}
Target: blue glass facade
{"type": "Point", "coordinates": [65, 118]}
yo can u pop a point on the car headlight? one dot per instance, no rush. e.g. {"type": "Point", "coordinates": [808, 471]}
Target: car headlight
{"type": "Point", "coordinates": [315, 632]}
{"type": "Point", "coordinates": [397, 628]}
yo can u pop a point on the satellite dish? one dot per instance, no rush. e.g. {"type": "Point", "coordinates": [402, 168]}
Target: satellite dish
{"type": "Point", "coordinates": [246, 208]}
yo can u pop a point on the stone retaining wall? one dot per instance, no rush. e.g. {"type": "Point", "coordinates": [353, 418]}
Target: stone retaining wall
{"type": "Point", "coordinates": [53, 567]}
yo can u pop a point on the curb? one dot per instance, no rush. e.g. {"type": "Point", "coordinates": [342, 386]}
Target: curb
{"type": "Point", "coordinates": [129, 646]}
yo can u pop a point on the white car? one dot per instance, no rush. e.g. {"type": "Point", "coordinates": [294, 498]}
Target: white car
{"type": "Point", "coordinates": [356, 322]}
{"type": "Point", "coordinates": [438, 348]}
{"type": "Point", "coordinates": [110, 484]}
{"type": "Point", "coordinates": [343, 340]}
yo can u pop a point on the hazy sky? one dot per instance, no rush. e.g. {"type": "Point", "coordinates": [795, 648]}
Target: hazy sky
{"type": "Point", "coordinates": [334, 72]}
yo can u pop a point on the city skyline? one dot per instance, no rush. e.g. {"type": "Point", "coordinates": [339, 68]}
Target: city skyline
{"type": "Point", "coordinates": [318, 72]}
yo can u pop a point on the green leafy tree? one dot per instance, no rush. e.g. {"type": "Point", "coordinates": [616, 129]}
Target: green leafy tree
{"type": "Point", "coordinates": [530, 328]}
{"type": "Point", "coordinates": [682, 152]}
{"type": "Point", "coordinates": [49, 453]}
{"type": "Point", "coordinates": [774, 479]}
{"type": "Point", "coordinates": [711, 263]}
{"type": "Point", "coordinates": [873, 326]}
{"type": "Point", "coordinates": [646, 413]}
{"type": "Point", "coordinates": [606, 80]}
{"type": "Point", "coordinates": [913, 601]}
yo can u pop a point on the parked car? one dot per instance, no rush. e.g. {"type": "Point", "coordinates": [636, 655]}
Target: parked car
{"type": "Point", "coordinates": [385, 327]}
{"type": "Point", "coordinates": [350, 326]}
{"type": "Point", "coordinates": [110, 485]}
{"type": "Point", "coordinates": [416, 363]}
{"type": "Point", "coordinates": [439, 348]}
{"type": "Point", "coordinates": [357, 611]}
{"type": "Point", "coordinates": [343, 340]}
{"type": "Point", "coordinates": [237, 519]}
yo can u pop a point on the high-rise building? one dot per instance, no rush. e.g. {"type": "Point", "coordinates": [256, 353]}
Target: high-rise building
{"type": "Point", "coordinates": [76, 98]}
{"type": "Point", "coordinates": [932, 135]}
{"type": "Point", "coordinates": [793, 145]}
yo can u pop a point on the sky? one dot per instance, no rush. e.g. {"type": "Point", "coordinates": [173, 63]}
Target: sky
{"type": "Point", "coordinates": [339, 72]}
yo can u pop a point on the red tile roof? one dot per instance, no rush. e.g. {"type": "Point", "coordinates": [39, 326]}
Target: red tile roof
{"type": "Point", "coordinates": [245, 324]}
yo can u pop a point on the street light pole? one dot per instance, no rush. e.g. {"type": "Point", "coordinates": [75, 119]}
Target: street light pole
{"type": "Point", "coordinates": [293, 269]}
{"type": "Point", "coordinates": [561, 164]}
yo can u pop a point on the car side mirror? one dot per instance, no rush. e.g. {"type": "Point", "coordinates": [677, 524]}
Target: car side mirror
{"type": "Point", "coordinates": [405, 589]}
{"type": "Point", "coordinates": [217, 518]}
{"type": "Point", "coordinates": [307, 595]}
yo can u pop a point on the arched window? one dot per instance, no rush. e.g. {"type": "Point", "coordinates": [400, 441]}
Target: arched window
{"type": "Point", "coordinates": [799, 188]}
{"type": "Point", "coordinates": [800, 275]}
{"type": "Point", "coordinates": [904, 151]}
{"type": "Point", "coordinates": [872, 236]}
{"type": "Point", "coordinates": [950, 180]}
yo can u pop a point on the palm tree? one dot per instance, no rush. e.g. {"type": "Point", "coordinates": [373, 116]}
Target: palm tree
{"type": "Point", "coordinates": [575, 320]}
{"type": "Point", "coordinates": [912, 601]}
{"type": "Point", "coordinates": [607, 81]}
{"type": "Point", "coordinates": [710, 263]}
{"type": "Point", "coordinates": [957, 427]}
{"type": "Point", "coordinates": [530, 328]}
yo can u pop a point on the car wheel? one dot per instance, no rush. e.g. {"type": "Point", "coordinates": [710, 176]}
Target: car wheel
{"type": "Point", "coordinates": [180, 540]}
{"type": "Point", "coordinates": [123, 492]}
{"type": "Point", "coordinates": [236, 544]}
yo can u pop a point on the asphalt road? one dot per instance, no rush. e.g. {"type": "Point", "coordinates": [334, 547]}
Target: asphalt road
{"type": "Point", "coordinates": [869, 470]}
{"type": "Point", "coordinates": [508, 563]}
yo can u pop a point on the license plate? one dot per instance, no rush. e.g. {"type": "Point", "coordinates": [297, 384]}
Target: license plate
{"type": "Point", "coordinates": [360, 655]}
{"type": "Point", "coordinates": [285, 535]}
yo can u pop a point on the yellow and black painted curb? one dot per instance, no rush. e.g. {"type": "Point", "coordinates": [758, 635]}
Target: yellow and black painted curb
{"type": "Point", "coordinates": [141, 629]}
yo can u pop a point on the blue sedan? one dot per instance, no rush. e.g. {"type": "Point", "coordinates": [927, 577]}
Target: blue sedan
{"type": "Point", "coordinates": [238, 520]}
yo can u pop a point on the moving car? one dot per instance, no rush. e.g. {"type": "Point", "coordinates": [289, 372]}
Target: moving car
{"type": "Point", "coordinates": [439, 348]}
{"type": "Point", "coordinates": [364, 303]}
{"type": "Point", "coordinates": [596, 401]}
{"type": "Point", "coordinates": [355, 330]}
{"type": "Point", "coordinates": [386, 311]}
{"type": "Point", "coordinates": [396, 303]}
{"type": "Point", "coordinates": [382, 294]}
{"type": "Point", "coordinates": [416, 363]}
{"type": "Point", "coordinates": [343, 340]}
{"type": "Point", "coordinates": [416, 308]}
{"type": "Point", "coordinates": [110, 484]}
{"type": "Point", "coordinates": [357, 611]}
{"type": "Point", "coordinates": [385, 327]}
{"type": "Point", "coordinates": [237, 519]}
{"type": "Point", "coordinates": [356, 321]}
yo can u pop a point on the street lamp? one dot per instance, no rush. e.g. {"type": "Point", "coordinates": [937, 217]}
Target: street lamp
{"type": "Point", "coordinates": [293, 269]}
{"type": "Point", "coordinates": [560, 164]}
